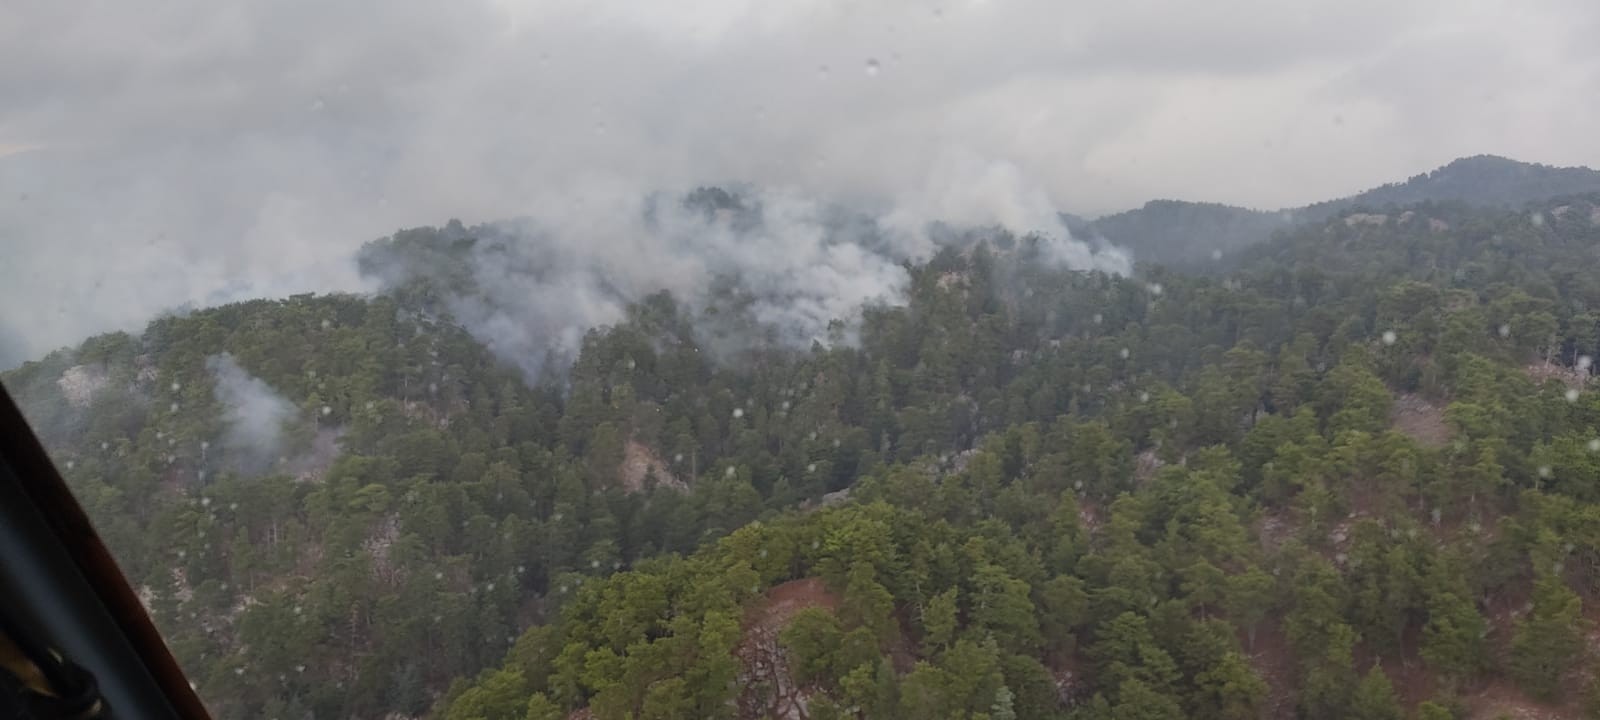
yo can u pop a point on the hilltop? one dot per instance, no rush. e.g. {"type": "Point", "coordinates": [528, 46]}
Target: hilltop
{"type": "Point", "coordinates": [1197, 235]}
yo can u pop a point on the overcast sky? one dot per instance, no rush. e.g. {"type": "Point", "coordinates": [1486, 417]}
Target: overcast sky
{"type": "Point", "coordinates": [198, 151]}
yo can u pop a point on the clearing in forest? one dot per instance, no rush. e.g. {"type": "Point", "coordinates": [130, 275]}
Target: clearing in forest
{"type": "Point", "coordinates": [769, 687]}
{"type": "Point", "coordinates": [1420, 419]}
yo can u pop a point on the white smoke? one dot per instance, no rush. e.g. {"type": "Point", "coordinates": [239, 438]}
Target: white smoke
{"type": "Point", "coordinates": [253, 415]}
{"type": "Point", "coordinates": [965, 188]}
{"type": "Point", "coordinates": [772, 267]}
{"type": "Point", "coordinates": [799, 272]}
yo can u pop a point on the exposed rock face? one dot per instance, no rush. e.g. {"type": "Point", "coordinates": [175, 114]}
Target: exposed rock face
{"type": "Point", "coordinates": [770, 688]}
{"type": "Point", "coordinates": [640, 464]}
{"type": "Point", "coordinates": [80, 382]}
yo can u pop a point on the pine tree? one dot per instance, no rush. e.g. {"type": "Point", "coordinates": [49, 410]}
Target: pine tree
{"type": "Point", "coordinates": [1374, 698]}
{"type": "Point", "coordinates": [1548, 639]}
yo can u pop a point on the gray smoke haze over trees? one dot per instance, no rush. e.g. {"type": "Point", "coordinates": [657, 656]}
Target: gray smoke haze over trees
{"type": "Point", "coordinates": [203, 152]}
{"type": "Point", "coordinates": [754, 267]}
{"type": "Point", "coordinates": [253, 415]}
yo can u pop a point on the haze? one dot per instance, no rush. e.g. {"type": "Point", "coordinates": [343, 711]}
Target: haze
{"type": "Point", "coordinates": [202, 152]}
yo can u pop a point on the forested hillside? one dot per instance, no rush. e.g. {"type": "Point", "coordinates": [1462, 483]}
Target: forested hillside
{"type": "Point", "coordinates": [1195, 235]}
{"type": "Point", "coordinates": [1356, 478]}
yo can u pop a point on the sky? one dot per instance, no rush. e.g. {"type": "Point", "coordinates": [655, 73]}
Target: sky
{"type": "Point", "coordinates": [192, 152]}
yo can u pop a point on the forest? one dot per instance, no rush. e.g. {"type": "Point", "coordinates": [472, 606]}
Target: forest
{"type": "Point", "coordinates": [1350, 472]}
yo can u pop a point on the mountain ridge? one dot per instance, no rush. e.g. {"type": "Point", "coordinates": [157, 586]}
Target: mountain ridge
{"type": "Point", "coordinates": [1190, 233]}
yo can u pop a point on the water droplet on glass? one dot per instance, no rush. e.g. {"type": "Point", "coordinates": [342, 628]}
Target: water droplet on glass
{"type": "Point", "coordinates": [1584, 361]}
{"type": "Point", "coordinates": [175, 386]}
{"type": "Point", "coordinates": [872, 67]}
{"type": "Point", "coordinates": [233, 506]}
{"type": "Point", "coordinates": [811, 467]}
{"type": "Point", "coordinates": [1155, 288]}
{"type": "Point", "coordinates": [1572, 396]}
{"type": "Point", "coordinates": [1537, 219]}
{"type": "Point", "coordinates": [738, 413]}
{"type": "Point", "coordinates": [173, 407]}
{"type": "Point", "coordinates": [1144, 397]}
{"type": "Point", "coordinates": [1594, 445]}
{"type": "Point", "coordinates": [1505, 330]}
{"type": "Point", "coordinates": [71, 464]}
{"type": "Point", "coordinates": [729, 472]}
{"type": "Point", "coordinates": [1123, 353]}
{"type": "Point", "coordinates": [836, 442]}
{"type": "Point", "coordinates": [489, 587]}
{"type": "Point", "coordinates": [327, 324]}
{"type": "Point", "coordinates": [438, 576]}
{"type": "Point", "coordinates": [238, 671]}
{"type": "Point", "coordinates": [1098, 318]}
{"type": "Point", "coordinates": [105, 446]}
{"type": "Point", "coordinates": [678, 458]}
{"type": "Point", "coordinates": [1389, 337]}
{"type": "Point", "coordinates": [205, 502]}
{"type": "Point", "coordinates": [1216, 254]}
{"type": "Point", "coordinates": [1544, 471]}
{"type": "Point", "coordinates": [326, 410]}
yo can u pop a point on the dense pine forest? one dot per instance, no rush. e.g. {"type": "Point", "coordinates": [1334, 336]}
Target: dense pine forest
{"type": "Point", "coordinates": [1351, 472]}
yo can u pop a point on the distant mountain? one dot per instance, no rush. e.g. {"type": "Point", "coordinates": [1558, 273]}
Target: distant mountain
{"type": "Point", "coordinates": [1488, 180]}
{"type": "Point", "coordinates": [1179, 233]}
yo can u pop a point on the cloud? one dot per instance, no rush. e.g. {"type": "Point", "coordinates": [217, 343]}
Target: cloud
{"type": "Point", "coordinates": [200, 152]}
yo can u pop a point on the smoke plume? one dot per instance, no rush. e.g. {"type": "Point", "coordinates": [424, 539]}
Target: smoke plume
{"type": "Point", "coordinates": [253, 415]}
{"type": "Point", "coordinates": [755, 267]}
